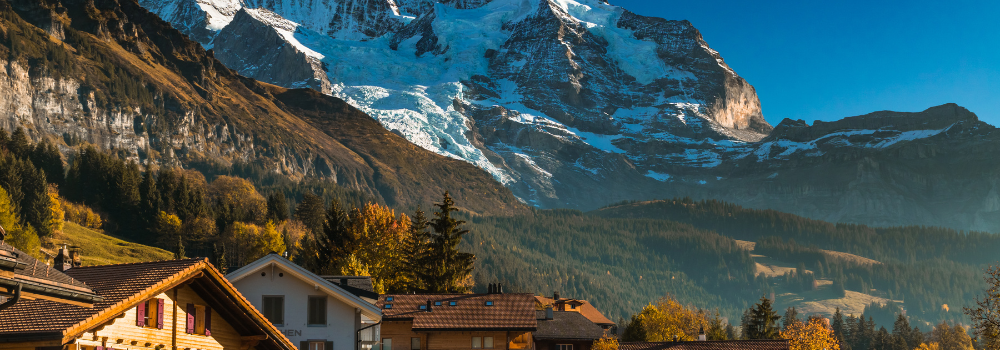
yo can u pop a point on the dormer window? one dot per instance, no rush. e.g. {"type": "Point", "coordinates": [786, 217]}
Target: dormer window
{"type": "Point", "coordinates": [489, 303]}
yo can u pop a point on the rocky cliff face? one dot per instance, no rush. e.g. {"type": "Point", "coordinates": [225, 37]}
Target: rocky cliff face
{"type": "Point", "coordinates": [569, 103]}
{"type": "Point", "coordinates": [124, 80]}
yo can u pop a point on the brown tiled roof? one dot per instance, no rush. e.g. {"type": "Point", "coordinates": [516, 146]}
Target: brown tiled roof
{"type": "Point", "coordinates": [709, 345]}
{"type": "Point", "coordinates": [37, 277]}
{"type": "Point", "coordinates": [508, 312]}
{"type": "Point", "coordinates": [586, 309]}
{"type": "Point", "coordinates": [359, 282]}
{"type": "Point", "coordinates": [566, 325]}
{"type": "Point", "coordinates": [115, 283]}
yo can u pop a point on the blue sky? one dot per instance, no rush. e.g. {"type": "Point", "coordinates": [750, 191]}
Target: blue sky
{"type": "Point", "coordinates": [826, 60]}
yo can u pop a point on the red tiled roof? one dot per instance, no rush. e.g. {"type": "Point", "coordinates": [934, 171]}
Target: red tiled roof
{"type": "Point", "coordinates": [708, 345]}
{"type": "Point", "coordinates": [30, 271]}
{"type": "Point", "coordinates": [508, 312]}
{"type": "Point", "coordinates": [115, 283]}
{"type": "Point", "coordinates": [586, 309]}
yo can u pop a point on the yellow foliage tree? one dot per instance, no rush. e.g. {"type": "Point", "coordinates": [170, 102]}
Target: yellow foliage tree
{"type": "Point", "coordinates": [241, 194]}
{"type": "Point", "coordinates": [606, 343]}
{"type": "Point", "coordinates": [668, 319]}
{"type": "Point", "coordinates": [81, 214]}
{"type": "Point", "coordinates": [931, 346]}
{"type": "Point", "coordinates": [810, 336]}
{"type": "Point", "coordinates": [58, 218]}
{"type": "Point", "coordinates": [22, 237]}
{"type": "Point", "coordinates": [167, 229]}
{"type": "Point", "coordinates": [381, 233]}
{"type": "Point", "coordinates": [267, 241]}
{"type": "Point", "coordinates": [951, 338]}
{"type": "Point", "coordinates": [253, 242]}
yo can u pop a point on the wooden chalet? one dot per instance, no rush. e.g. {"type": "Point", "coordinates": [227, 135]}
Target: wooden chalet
{"type": "Point", "coordinates": [24, 278]}
{"type": "Point", "coordinates": [179, 304]}
{"type": "Point", "coordinates": [457, 321]}
{"type": "Point", "coordinates": [582, 307]}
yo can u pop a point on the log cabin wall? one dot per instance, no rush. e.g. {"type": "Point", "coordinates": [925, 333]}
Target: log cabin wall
{"type": "Point", "coordinates": [123, 333]}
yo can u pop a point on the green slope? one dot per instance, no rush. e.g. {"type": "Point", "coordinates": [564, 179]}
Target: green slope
{"type": "Point", "coordinates": [102, 249]}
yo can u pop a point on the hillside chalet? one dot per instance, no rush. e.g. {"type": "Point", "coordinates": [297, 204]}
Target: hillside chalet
{"type": "Point", "coordinates": [180, 304]}
{"type": "Point", "coordinates": [457, 321]}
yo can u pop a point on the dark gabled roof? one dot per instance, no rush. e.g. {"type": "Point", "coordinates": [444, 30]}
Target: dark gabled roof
{"type": "Point", "coordinates": [586, 308]}
{"type": "Point", "coordinates": [125, 285]}
{"type": "Point", "coordinates": [40, 280]}
{"type": "Point", "coordinates": [358, 285]}
{"type": "Point", "coordinates": [566, 325]}
{"type": "Point", "coordinates": [509, 312]}
{"type": "Point", "coordinates": [709, 345]}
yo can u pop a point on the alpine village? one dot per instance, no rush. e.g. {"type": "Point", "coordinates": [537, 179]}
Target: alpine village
{"type": "Point", "coordinates": [463, 174]}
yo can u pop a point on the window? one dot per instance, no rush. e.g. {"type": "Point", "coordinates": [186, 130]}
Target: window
{"type": "Point", "coordinates": [317, 345]}
{"type": "Point", "coordinates": [489, 303]}
{"type": "Point", "coordinates": [452, 303]}
{"type": "Point", "coordinates": [150, 314]}
{"type": "Point", "coordinates": [386, 343]}
{"type": "Point", "coordinates": [482, 342]}
{"type": "Point", "coordinates": [317, 310]}
{"type": "Point", "coordinates": [423, 307]}
{"type": "Point", "coordinates": [388, 298]}
{"type": "Point", "coordinates": [414, 343]}
{"type": "Point", "coordinates": [564, 347]}
{"type": "Point", "coordinates": [437, 303]}
{"type": "Point", "coordinates": [572, 306]}
{"type": "Point", "coordinates": [387, 306]}
{"type": "Point", "coordinates": [274, 309]}
{"type": "Point", "coordinates": [199, 319]}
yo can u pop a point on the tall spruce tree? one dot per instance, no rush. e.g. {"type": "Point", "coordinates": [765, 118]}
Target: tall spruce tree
{"type": "Point", "coordinates": [763, 321]}
{"type": "Point", "coordinates": [791, 316]}
{"type": "Point", "coordinates": [446, 266]}
{"type": "Point", "coordinates": [838, 325]}
{"type": "Point", "coordinates": [414, 248]}
{"type": "Point", "coordinates": [311, 212]}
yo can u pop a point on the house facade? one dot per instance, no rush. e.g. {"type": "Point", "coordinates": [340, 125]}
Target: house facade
{"type": "Point", "coordinates": [457, 321]}
{"type": "Point", "coordinates": [180, 304]}
{"type": "Point", "coordinates": [313, 312]}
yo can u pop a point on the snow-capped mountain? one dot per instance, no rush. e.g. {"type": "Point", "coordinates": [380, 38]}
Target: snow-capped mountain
{"type": "Point", "coordinates": [569, 103]}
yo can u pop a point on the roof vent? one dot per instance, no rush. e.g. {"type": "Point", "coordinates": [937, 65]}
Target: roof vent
{"type": "Point", "coordinates": [499, 288]}
{"type": "Point", "coordinates": [429, 308]}
{"type": "Point", "coordinates": [701, 334]}
{"type": "Point", "coordinates": [555, 296]}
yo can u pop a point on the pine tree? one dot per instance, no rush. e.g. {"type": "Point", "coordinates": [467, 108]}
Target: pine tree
{"type": "Point", "coordinates": [763, 322]}
{"type": "Point", "coordinates": [414, 249]}
{"type": "Point", "coordinates": [838, 325]}
{"type": "Point", "coordinates": [179, 248]}
{"type": "Point", "coordinates": [791, 316]}
{"type": "Point", "coordinates": [311, 212]}
{"type": "Point", "coordinates": [277, 207]}
{"type": "Point", "coordinates": [19, 144]}
{"type": "Point", "coordinates": [447, 267]}
{"type": "Point", "coordinates": [338, 240]}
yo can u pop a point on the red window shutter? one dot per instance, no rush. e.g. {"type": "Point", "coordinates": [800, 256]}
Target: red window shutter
{"type": "Point", "coordinates": [140, 315]}
{"type": "Point", "coordinates": [208, 321]}
{"type": "Point", "coordinates": [190, 318]}
{"type": "Point", "coordinates": [99, 348]}
{"type": "Point", "coordinates": [159, 313]}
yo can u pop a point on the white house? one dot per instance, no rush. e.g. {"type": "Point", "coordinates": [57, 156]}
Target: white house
{"type": "Point", "coordinates": [312, 312]}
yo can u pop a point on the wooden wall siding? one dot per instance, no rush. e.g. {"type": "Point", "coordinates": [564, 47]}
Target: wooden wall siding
{"type": "Point", "coordinates": [122, 333]}
{"type": "Point", "coordinates": [401, 331]}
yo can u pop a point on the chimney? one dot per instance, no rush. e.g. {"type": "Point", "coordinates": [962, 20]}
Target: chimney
{"type": "Point", "coordinates": [555, 296]}
{"type": "Point", "coordinates": [429, 305]}
{"type": "Point", "coordinates": [63, 261]}
{"type": "Point", "coordinates": [499, 288]}
{"type": "Point", "coordinates": [701, 334]}
{"type": "Point", "coordinates": [549, 314]}
{"type": "Point", "coordinates": [675, 339]}
{"type": "Point", "coordinates": [489, 290]}
{"type": "Point", "coordinates": [343, 282]}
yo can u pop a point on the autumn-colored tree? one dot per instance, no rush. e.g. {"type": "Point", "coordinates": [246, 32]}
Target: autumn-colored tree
{"type": "Point", "coordinates": [379, 235]}
{"type": "Point", "coordinates": [951, 338]}
{"type": "Point", "coordinates": [809, 336]}
{"type": "Point", "coordinates": [19, 236]}
{"type": "Point", "coordinates": [606, 342]}
{"type": "Point", "coordinates": [57, 219]}
{"type": "Point", "coordinates": [168, 230]}
{"type": "Point", "coordinates": [986, 314]}
{"type": "Point", "coordinates": [929, 346]}
{"type": "Point", "coordinates": [240, 196]}
{"type": "Point", "coordinates": [666, 320]}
